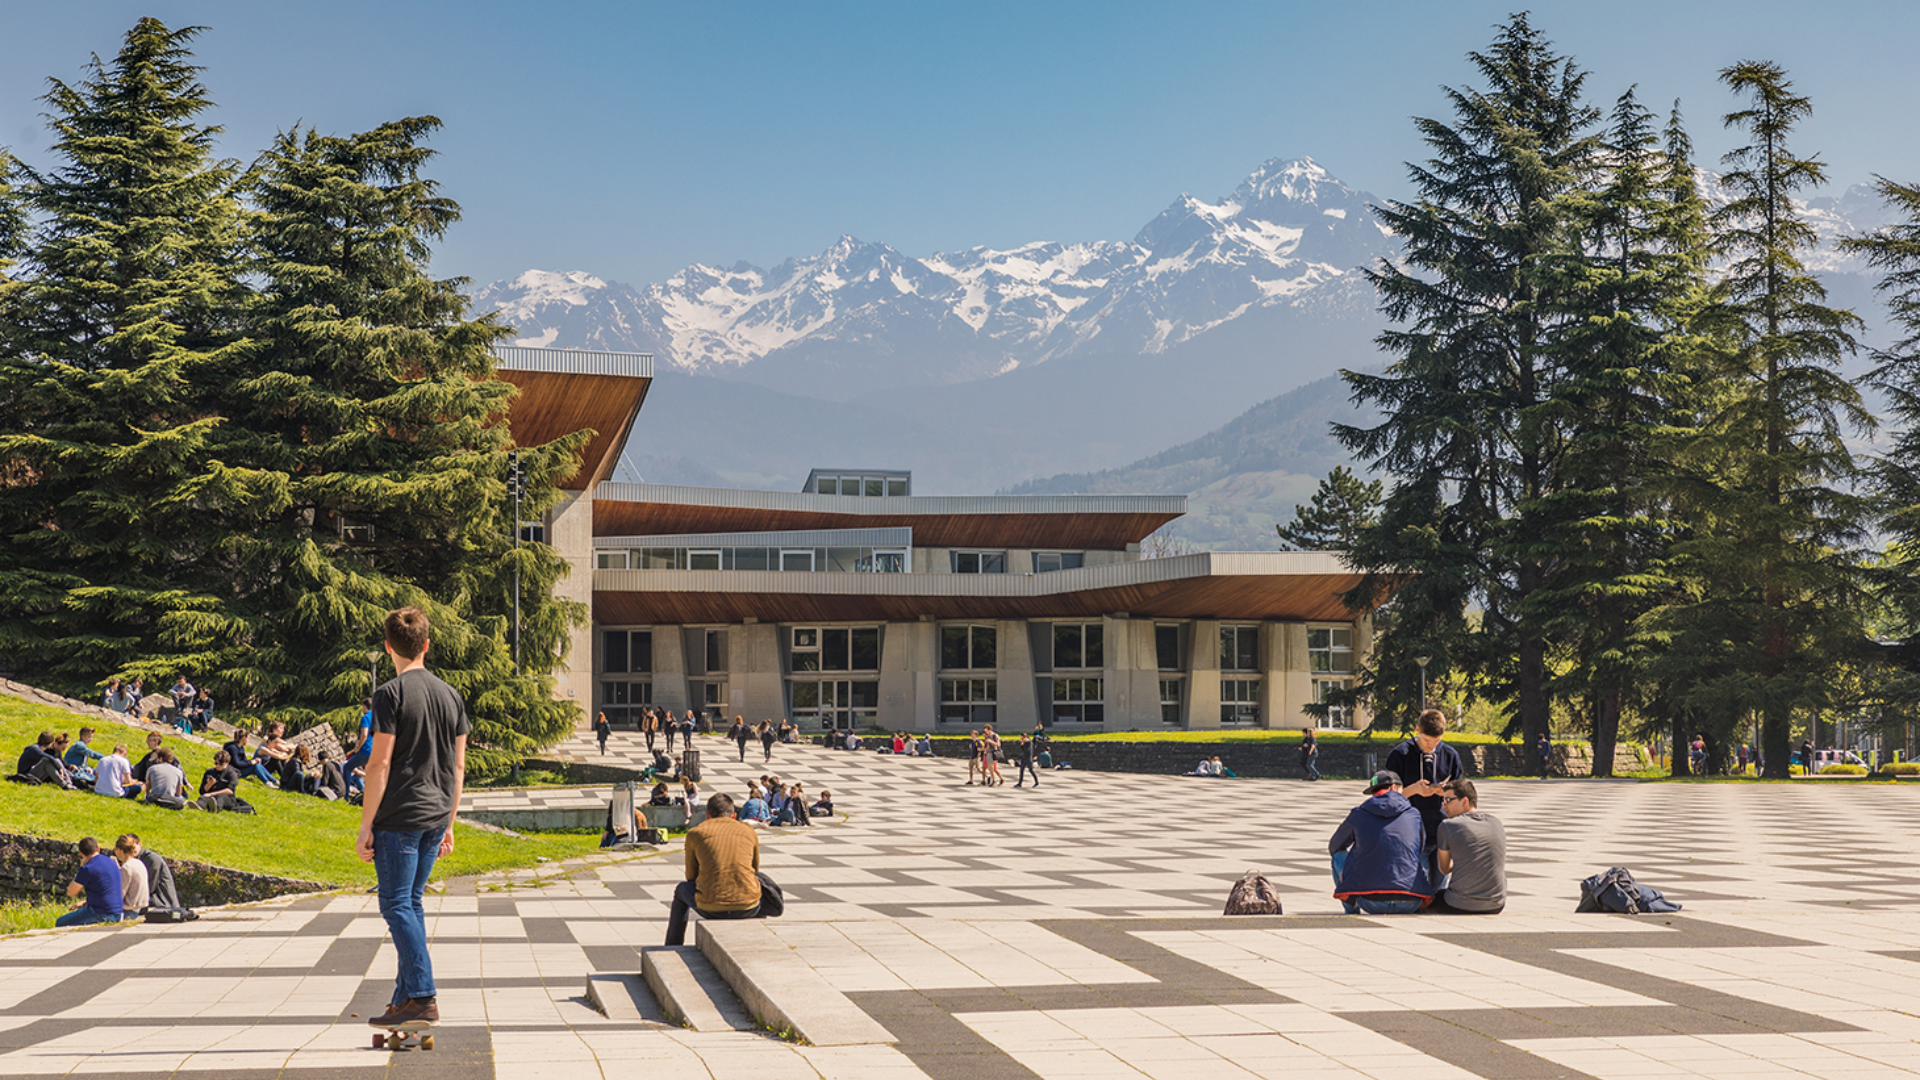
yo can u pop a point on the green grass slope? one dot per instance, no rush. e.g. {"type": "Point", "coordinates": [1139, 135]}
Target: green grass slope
{"type": "Point", "coordinates": [294, 836]}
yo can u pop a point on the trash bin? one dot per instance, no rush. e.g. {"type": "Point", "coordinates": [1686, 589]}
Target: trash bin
{"type": "Point", "coordinates": [690, 765]}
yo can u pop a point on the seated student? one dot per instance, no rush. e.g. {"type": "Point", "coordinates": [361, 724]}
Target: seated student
{"type": "Point", "coordinates": [1205, 768]}
{"type": "Point", "coordinates": [298, 773]}
{"type": "Point", "coordinates": [133, 875]}
{"type": "Point", "coordinates": [166, 781]}
{"type": "Point", "coordinates": [79, 757]}
{"type": "Point", "coordinates": [115, 698]}
{"type": "Point", "coordinates": [330, 779]}
{"type": "Point", "coordinates": [723, 863]}
{"type": "Point", "coordinates": [182, 695]}
{"type": "Point", "coordinates": [797, 805]}
{"type": "Point", "coordinates": [825, 805]}
{"type": "Point", "coordinates": [276, 751]}
{"type": "Point", "coordinates": [899, 743]}
{"type": "Point", "coordinates": [660, 797]}
{"type": "Point", "coordinates": [39, 762]}
{"type": "Point", "coordinates": [924, 747]}
{"type": "Point", "coordinates": [1473, 848]}
{"type": "Point", "coordinates": [114, 776]}
{"type": "Point", "coordinates": [1220, 769]}
{"type": "Point", "coordinates": [220, 785]}
{"type": "Point", "coordinates": [1377, 863]}
{"type": "Point", "coordinates": [689, 795]}
{"type": "Point", "coordinates": [755, 808]}
{"type": "Point", "coordinates": [99, 878]}
{"type": "Point", "coordinates": [243, 764]}
{"type": "Point", "coordinates": [662, 763]}
{"type": "Point", "coordinates": [200, 713]}
{"type": "Point", "coordinates": [776, 800]}
{"type": "Point", "coordinates": [82, 776]}
{"type": "Point", "coordinates": [853, 741]}
{"type": "Point", "coordinates": [153, 748]}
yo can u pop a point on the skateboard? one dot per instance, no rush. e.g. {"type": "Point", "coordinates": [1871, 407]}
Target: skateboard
{"type": "Point", "coordinates": [407, 1036]}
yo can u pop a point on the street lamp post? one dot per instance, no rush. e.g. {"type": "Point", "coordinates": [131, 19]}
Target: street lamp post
{"type": "Point", "coordinates": [373, 671]}
{"type": "Point", "coordinates": [1423, 661]}
{"type": "Point", "coordinates": [518, 486]}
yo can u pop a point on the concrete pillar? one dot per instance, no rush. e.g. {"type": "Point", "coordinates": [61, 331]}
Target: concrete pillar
{"type": "Point", "coordinates": [669, 668]}
{"type": "Point", "coordinates": [897, 675]}
{"type": "Point", "coordinates": [1287, 674]}
{"type": "Point", "coordinates": [1362, 658]}
{"type": "Point", "coordinates": [757, 685]}
{"type": "Point", "coordinates": [1017, 708]}
{"type": "Point", "coordinates": [570, 532]}
{"type": "Point", "coordinates": [1203, 678]}
{"type": "Point", "coordinates": [923, 666]}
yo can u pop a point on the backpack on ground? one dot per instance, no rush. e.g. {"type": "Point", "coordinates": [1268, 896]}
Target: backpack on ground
{"type": "Point", "coordinates": [1253, 894]}
{"type": "Point", "coordinates": [168, 915]}
{"type": "Point", "coordinates": [1614, 890]}
{"type": "Point", "coordinates": [773, 901]}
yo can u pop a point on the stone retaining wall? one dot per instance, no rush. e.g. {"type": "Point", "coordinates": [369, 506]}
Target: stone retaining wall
{"type": "Point", "coordinates": [1282, 759]}
{"type": "Point", "coordinates": [38, 868]}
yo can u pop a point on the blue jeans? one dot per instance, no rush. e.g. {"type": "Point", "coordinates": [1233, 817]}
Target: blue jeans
{"type": "Point", "coordinates": [258, 772]}
{"type": "Point", "coordinates": [403, 861]}
{"type": "Point", "coordinates": [1367, 905]}
{"type": "Point", "coordinates": [86, 916]}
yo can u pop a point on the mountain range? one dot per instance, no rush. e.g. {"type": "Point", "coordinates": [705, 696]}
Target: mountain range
{"type": "Point", "coordinates": [1038, 367]}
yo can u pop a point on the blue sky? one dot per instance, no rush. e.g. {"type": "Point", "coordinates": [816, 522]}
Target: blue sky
{"type": "Point", "coordinates": [630, 139]}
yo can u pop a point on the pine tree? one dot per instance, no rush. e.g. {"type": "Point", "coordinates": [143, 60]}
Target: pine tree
{"type": "Point", "coordinates": [369, 403]}
{"type": "Point", "coordinates": [1631, 371]}
{"type": "Point", "coordinates": [1342, 506]}
{"type": "Point", "coordinates": [123, 323]}
{"type": "Point", "coordinates": [1777, 602]}
{"type": "Point", "coordinates": [1895, 250]}
{"type": "Point", "coordinates": [1463, 434]}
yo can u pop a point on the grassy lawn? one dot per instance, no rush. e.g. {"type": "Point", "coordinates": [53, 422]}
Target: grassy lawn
{"type": "Point", "coordinates": [295, 836]}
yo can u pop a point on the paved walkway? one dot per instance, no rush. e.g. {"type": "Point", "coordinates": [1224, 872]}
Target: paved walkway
{"type": "Point", "coordinates": [1074, 931]}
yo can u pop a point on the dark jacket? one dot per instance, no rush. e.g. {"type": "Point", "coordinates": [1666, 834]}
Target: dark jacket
{"type": "Point", "coordinates": [161, 892]}
{"type": "Point", "coordinates": [1384, 834]}
{"type": "Point", "coordinates": [1407, 761]}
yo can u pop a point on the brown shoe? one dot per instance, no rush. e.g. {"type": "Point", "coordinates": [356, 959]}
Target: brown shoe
{"type": "Point", "coordinates": [412, 1013]}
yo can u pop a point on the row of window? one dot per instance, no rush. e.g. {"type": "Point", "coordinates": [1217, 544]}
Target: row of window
{"type": "Point", "coordinates": [837, 704]}
{"type": "Point", "coordinates": [856, 560]}
{"type": "Point", "coordinates": [871, 487]}
{"type": "Point", "coordinates": [1075, 645]}
{"type": "Point", "coordinates": [995, 562]}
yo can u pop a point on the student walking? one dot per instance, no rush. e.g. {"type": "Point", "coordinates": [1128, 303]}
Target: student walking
{"type": "Point", "coordinates": [414, 778]}
{"type": "Point", "coordinates": [1309, 755]}
{"type": "Point", "coordinates": [647, 726]}
{"type": "Point", "coordinates": [1024, 751]}
{"type": "Point", "coordinates": [672, 729]}
{"type": "Point", "coordinates": [766, 740]}
{"type": "Point", "coordinates": [602, 729]}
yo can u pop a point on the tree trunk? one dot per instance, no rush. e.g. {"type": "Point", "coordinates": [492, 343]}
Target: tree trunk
{"type": "Point", "coordinates": [1680, 750]}
{"type": "Point", "coordinates": [1606, 730]}
{"type": "Point", "coordinates": [1533, 707]}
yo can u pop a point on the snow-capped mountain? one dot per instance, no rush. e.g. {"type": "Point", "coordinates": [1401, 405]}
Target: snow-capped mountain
{"type": "Point", "coordinates": [866, 310]}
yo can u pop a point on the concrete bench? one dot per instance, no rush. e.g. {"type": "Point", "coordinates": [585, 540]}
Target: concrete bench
{"type": "Point", "coordinates": [672, 817]}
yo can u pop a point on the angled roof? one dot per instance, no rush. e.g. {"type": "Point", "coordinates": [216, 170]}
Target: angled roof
{"type": "Point", "coordinates": [566, 390]}
{"type": "Point", "coordinates": [1070, 522]}
{"type": "Point", "coordinates": [1216, 585]}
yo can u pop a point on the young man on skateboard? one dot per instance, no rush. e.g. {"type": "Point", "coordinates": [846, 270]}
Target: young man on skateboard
{"type": "Point", "coordinates": [414, 776]}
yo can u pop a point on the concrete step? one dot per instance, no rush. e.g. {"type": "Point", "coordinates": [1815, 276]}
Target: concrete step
{"type": "Point", "coordinates": [624, 997]}
{"type": "Point", "coordinates": [780, 989]}
{"type": "Point", "coordinates": [690, 992]}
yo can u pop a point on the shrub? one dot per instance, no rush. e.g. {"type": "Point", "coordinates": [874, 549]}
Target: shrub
{"type": "Point", "coordinates": [1901, 768]}
{"type": "Point", "coordinates": [1844, 769]}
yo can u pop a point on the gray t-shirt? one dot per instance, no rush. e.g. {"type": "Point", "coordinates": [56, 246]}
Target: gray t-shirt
{"type": "Point", "coordinates": [164, 782]}
{"type": "Point", "coordinates": [1478, 844]}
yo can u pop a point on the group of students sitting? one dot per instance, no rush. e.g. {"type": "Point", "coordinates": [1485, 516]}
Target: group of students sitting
{"type": "Point", "coordinates": [192, 708]}
{"type": "Point", "coordinates": [1423, 845]}
{"type": "Point", "coordinates": [58, 761]}
{"type": "Point", "coordinates": [770, 801]}
{"type": "Point", "coordinates": [281, 764]}
{"type": "Point", "coordinates": [119, 885]}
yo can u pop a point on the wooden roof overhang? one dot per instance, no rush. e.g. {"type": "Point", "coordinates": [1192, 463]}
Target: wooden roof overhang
{"type": "Point", "coordinates": [1279, 586]}
{"type": "Point", "coordinates": [563, 391]}
{"type": "Point", "coordinates": [1068, 522]}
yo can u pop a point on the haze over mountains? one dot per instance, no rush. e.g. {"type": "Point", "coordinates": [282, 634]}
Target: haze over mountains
{"type": "Point", "coordinates": [1043, 367]}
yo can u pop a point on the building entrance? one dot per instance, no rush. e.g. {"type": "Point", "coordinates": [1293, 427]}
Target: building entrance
{"type": "Point", "coordinates": [835, 704]}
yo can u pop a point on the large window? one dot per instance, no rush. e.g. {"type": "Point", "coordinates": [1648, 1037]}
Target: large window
{"type": "Point", "coordinates": [1078, 701]}
{"type": "Point", "coordinates": [1166, 647]}
{"type": "Point", "coordinates": [533, 532]}
{"type": "Point", "coordinates": [1330, 649]}
{"type": "Point", "coordinates": [968, 701]}
{"type": "Point", "coordinates": [716, 651]}
{"type": "Point", "coordinates": [968, 647]}
{"type": "Point", "coordinates": [1170, 700]}
{"type": "Point", "coordinates": [623, 651]}
{"type": "Point", "coordinates": [1323, 690]}
{"type": "Point", "coordinates": [1045, 561]}
{"type": "Point", "coordinates": [834, 704]}
{"type": "Point", "coordinates": [1078, 645]}
{"type": "Point", "coordinates": [836, 648]}
{"type": "Point", "coordinates": [624, 699]}
{"type": "Point", "coordinates": [1239, 701]}
{"type": "Point", "coordinates": [979, 562]}
{"type": "Point", "coordinates": [1238, 648]}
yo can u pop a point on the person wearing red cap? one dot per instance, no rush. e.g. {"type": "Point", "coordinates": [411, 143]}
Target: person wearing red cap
{"type": "Point", "coordinates": [1378, 868]}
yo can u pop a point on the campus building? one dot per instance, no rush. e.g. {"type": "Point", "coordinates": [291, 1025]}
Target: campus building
{"type": "Point", "coordinates": [855, 603]}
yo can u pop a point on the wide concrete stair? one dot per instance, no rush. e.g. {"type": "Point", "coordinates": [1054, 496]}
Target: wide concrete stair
{"type": "Point", "coordinates": [741, 978]}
